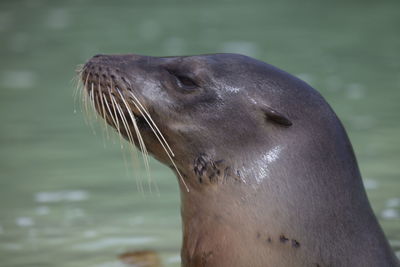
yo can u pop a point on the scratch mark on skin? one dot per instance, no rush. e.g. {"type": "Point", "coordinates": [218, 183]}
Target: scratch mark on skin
{"type": "Point", "coordinates": [209, 172]}
{"type": "Point", "coordinates": [283, 239]}
{"type": "Point", "coordinates": [295, 243]}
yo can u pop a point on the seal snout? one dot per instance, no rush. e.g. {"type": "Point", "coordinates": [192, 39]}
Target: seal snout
{"type": "Point", "coordinates": [110, 92]}
{"type": "Point", "coordinates": [97, 74]}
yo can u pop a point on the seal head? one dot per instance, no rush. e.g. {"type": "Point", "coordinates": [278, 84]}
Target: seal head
{"type": "Point", "coordinates": [268, 176]}
{"type": "Point", "coordinates": [185, 95]}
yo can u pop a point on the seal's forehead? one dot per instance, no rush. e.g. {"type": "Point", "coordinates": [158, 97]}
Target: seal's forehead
{"type": "Point", "coordinates": [209, 58]}
{"type": "Point", "coordinates": [230, 63]}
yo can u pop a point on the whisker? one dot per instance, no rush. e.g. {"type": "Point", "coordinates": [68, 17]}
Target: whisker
{"type": "Point", "coordinates": [158, 138]}
{"type": "Point", "coordinates": [154, 124]}
{"type": "Point", "coordinates": [129, 134]}
{"type": "Point", "coordinates": [92, 100]}
{"type": "Point", "coordinates": [116, 108]}
{"type": "Point", "coordinates": [113, 112]}
{"type": "Point", "coordinates": [103, 110]}
{"type": "Point", "coordinates": [76, 91]}
{"type": "Point", "coordinates": [125, 123]}
{"type": "Point", "coordinates": [140, 139]}
{"type": "Point", "coordinates": [85, 104]}
{"type": "Point", "coordinates": [109, 111]}
{"type": "Point", "coordinates": [116, 117]}
{"type": "Point", "coordinates": [86, 95]}
{"type": "Point", "coordinates": [179, 174]}
{"type": "Point", "coordinates": [80, 93]}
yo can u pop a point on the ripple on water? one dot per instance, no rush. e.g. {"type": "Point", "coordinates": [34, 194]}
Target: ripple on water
{"type": "Point", "coordinates": [390, 214]}
{"type": "Point", "coordinates": [393, 202]}
{"type": "Point", "coordinates": [112, 242]}
{"type": "Point", "coordinates": [59, 196]}
{"type": "Point", "coordinates": [24, 221]}
{"type": "Point", "coordinates": [20, 79]}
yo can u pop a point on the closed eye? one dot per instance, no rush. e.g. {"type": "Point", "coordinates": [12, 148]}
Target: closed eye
{"type": "Point", "coordinates": [184, 82]}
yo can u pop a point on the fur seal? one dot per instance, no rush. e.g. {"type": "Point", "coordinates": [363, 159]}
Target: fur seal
{"type": "Point", "coordinates": [267, 173]}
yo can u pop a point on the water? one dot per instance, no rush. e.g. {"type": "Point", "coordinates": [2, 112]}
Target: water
{"type": "Point", "coordinates": [66, 200]}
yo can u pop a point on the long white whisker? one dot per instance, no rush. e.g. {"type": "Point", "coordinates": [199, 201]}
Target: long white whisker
{"type": "Point", "coordinates": [118, 109]}
{"type": "Point", "coordinates": [152, 122]}
{"type": "Point", "coordinates": [125, 123]}
{"type": "Point", "coordinates": [140, 139]}
{"type": "Point", "coordinates": [116, 118]}
{"type": "Point", "coordinates": [158, 138]}
{"type": "Point", "coordinates": [127, 129]}
{"type": "Point", "coordinates": [80, 92]}
{"type": "Point", "coordinates": [109, 111]}
{"type": "Point", "coordinates": [86, 95]}
{"type": "Point", "coordinates": [92, 101]}
{"type": "Point", "coordinates": [86, 103]}
{"type": "Point", "coordinates": [103, 110]}
{"type": "Point", "coordinates": [77, 90]}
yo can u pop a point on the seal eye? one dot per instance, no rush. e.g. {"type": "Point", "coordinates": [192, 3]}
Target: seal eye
{"type": "Point", "coordinates": [184, 82]}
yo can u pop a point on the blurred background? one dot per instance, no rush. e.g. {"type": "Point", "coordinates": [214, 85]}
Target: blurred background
{"type": "Point", "coordinates": [66, 196]}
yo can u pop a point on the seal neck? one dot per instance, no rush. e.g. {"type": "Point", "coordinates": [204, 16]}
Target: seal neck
{"type": "Point", "coordinates": [283, 205]}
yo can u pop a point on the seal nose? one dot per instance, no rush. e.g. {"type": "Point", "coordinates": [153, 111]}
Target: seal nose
{"type": "Point", "coordinates": [100, 58]}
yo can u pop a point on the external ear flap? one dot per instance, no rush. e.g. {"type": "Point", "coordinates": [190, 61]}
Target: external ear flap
{"type": "Point", "coordinates": [276, 117]}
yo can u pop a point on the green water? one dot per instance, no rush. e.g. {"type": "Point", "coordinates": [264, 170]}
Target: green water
{"type": "Point", "coordinates": [65, 197]}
